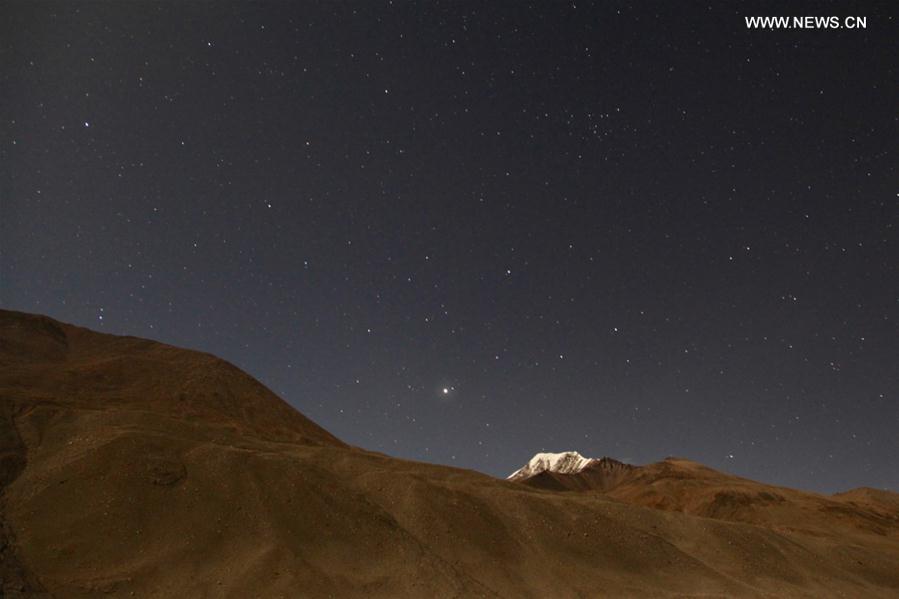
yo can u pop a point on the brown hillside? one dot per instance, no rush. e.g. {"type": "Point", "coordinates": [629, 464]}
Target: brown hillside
{"type": "Point", "coordinates": [74, 368]}
{"type": "Point", "coordinates": [131, 468]}
{"type": "Point", "coordinates": [685, 486]}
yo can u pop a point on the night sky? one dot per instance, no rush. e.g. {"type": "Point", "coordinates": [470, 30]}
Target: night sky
{"type": "Point", "coordinates": [467, 232]}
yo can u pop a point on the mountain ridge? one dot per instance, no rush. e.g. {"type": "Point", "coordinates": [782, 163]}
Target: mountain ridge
{"type": "Point", "coordinates": [682, 485]}
{"type": "Point", "coordinates": [132, 467]}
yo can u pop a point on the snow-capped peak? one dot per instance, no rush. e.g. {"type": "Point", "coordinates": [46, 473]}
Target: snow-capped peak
{"type": "Point", "coordinates": [567, 462]}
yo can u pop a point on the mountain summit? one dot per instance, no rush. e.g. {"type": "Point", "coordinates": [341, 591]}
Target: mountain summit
{"type": "Point", "coordinates": [567, 462]}
{"type": "Point", "coordinates": [570, 470]}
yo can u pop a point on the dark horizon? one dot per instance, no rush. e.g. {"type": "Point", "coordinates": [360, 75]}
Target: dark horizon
{"type": "Point", "coordinates": [465, 234]}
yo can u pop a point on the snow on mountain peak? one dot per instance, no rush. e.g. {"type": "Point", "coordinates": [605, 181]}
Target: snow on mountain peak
{"type": "Point", "coordinates": [567, 462]}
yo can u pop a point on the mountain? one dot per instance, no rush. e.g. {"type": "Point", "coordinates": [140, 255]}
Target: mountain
{"type": "Point", "coordinates": [133, 468]}
{"type": "Point", "coordinates": [570, 470]}
{"type": "Point", "coordinates": [568, 462]}
{"type": "Point", "coordinates": [680, 485]}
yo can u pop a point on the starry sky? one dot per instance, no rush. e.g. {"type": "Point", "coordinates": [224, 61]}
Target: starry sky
{"type": "Point", "coordinates": [466, 232]}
